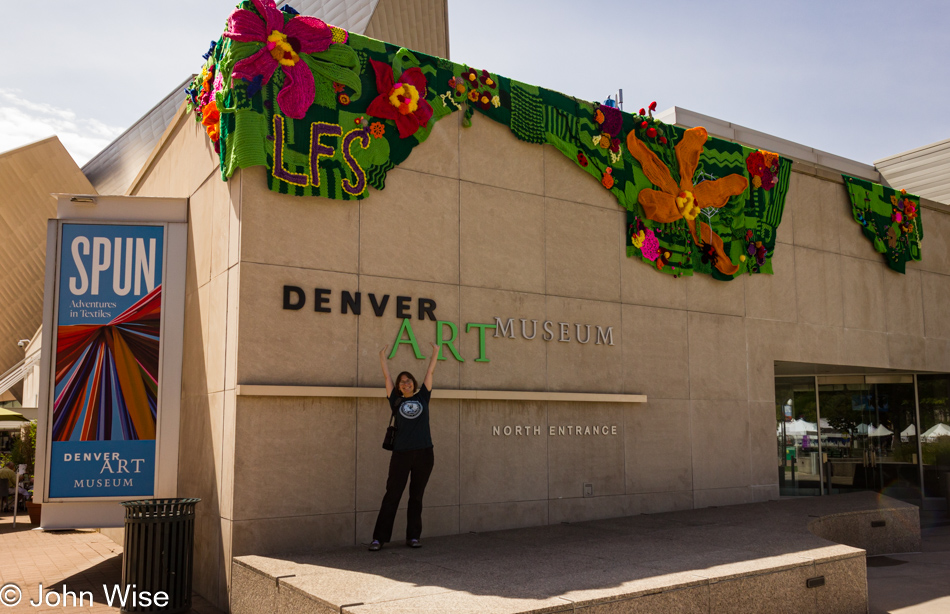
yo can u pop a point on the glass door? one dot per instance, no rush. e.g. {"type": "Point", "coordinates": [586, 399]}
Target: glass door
{"type": "Point", "coordinates": [869, 435]}
{"type": "Point", "coordinates": [798, 449]}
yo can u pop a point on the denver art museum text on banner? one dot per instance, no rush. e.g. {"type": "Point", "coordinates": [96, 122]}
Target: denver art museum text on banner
{"type": "Point", "coordinates": [105, 397]}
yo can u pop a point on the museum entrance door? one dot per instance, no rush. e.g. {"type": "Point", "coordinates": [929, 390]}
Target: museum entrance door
{"type": "Point", "coordinates": [869, 436]}
{"type": "Point", "coordinates": [848, 433]}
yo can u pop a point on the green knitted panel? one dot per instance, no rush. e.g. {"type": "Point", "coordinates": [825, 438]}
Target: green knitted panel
{"type": "Point", "coordinates": [890, 219]}
{"type": "Point", "coordinates": [723, 223]}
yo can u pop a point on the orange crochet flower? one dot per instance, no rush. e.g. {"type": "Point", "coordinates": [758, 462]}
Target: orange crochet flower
{"type": "Point", "coordinates": [210, 119]}
{"type": "Point", "coordinates": [673, 202]}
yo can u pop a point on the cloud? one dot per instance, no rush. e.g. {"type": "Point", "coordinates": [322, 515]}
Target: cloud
{"type": "Point", "coordinates": [23, 122]}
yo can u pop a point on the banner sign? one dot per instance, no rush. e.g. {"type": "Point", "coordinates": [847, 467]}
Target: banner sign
{"type": "Point", "coordinates": [105, 398]}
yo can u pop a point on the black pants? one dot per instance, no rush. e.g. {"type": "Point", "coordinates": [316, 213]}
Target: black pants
{"type": "Point", "coordinates": [418, 464]}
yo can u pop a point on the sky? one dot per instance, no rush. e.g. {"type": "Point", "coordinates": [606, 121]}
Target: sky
{"type": "Point", "coordinates": [863, 79]}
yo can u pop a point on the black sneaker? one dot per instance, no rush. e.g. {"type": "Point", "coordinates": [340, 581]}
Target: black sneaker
{"type": "Point", "coordinates": [413, 543]}
{"type": "Point", "coordinates": [375, 545]}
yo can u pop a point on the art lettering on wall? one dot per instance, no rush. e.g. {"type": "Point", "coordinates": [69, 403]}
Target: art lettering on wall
{"type": "Point", "coordinates": [108, 339]}
{"type": "Point", "coordinates": [329, 113]}
{"type": "Point", "coordinates": [889, 218]}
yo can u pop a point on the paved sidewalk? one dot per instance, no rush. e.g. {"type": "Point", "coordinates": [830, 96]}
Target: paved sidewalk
{"type": "Point", "coordinates": [82, 560]}
{"type": "Point", "coordinates": [914, 583]}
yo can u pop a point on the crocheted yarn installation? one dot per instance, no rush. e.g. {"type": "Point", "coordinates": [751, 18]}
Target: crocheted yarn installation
{"type": "Point", "coordinates": [329, 113]}
{"type": "Point", "coordinates": [890, 219]}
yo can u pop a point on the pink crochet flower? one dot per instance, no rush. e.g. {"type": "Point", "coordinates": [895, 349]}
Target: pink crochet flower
{"type": "Point", "coordinates": [282, 45]}
{"type": "Point", "coordinates": [651, 246]}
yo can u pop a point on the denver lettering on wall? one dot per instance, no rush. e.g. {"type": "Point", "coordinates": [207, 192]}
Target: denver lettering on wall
{"type": "Point", "coordinates": [105, 404]}
{"type": "Point", "coordinates": [446, 332]}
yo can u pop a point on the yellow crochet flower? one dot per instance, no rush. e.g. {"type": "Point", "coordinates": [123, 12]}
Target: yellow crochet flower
{"type": "Point", "coordinates": [281, 49]}
{"type": "Point", "coordinates": [637, 239]}
{"type": "Point", "coordinates": [686, 205]}
{"type": "Point", "coordinates": [405, 98]}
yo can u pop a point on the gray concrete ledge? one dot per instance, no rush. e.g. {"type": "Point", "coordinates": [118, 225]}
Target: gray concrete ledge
{"type": "Point", "coordinates": [747, 558]}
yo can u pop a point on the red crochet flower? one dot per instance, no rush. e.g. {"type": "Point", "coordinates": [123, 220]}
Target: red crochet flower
{"type": "Point", "coordinates": [487, 80]}
{"type": "Point", "coordinates": [282, 44]}
{"type": "Point", "coordinates": [402, 101]}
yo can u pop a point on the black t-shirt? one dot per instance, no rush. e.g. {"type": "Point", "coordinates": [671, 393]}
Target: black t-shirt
{"type": "Point", "coordinates": [412, 420]}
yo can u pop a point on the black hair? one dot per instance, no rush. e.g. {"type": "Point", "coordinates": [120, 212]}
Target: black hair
{"type": "Point", "coordinates": [415, 384]}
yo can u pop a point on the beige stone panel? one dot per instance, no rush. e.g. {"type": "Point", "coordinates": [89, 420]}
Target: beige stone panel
{"type": "Point", "coordinates": [821, 344]}
{"type": "Point", "coordinates": [718, 497]}
{"type": "Point", "coordinates": [380, 333]}
{"type": "Point", "coordinates": [818, 283]}
{"type": "Point", "coordinates": [220, 225]}
{"type": "Point", "coordinates": [705, 294]}
{"type": "Point", "coordinates": [717, 346]}
{"type": "Point", "coordinates": [906, 352]}
{"type": "Point", "coordinates": [936, 243]}
{"type": "Point", "coordinates": [486, 460]}
{"type": "Point", "coordinates": [773, 297]}
{"type": "Point", "coordinates": [228, 426]}
{"type": "Point", "coordinates": [936, 296]}
{"type": "Point", "coordinates": [439, 154]}
{"type": "Point", "coordinates": [589, 458]}
{"type": "Point", "coordinates": [903, 302]}
{"type": "Point", "coordinates": [642, 284]}
{"type": "Point", "coordinates": [660, 502]}
{"type": "Point", "coordinates": [195, 339]}
{"type": "Point", "coordinates": [862, 290]}
{"type": "Point", "coordinates": [231, 334]}
{"type": "Point", "coordinates": [481, 517]}
{"type": "Point", "coordinates": [501, 238]}
{"type": "Point", "coordinates": [311, 233]}
{"type": "Point", "coordinates": [217, 332]}
{"type": "Point", "coordinates": [410, 230]}
{"type": "Point", "coordinates": [224, 588]}
{"type": "Point", "coordinates": [294, 456]}
{"type": "Point", "coordinates": [200, 214]}
{"type": "Point", "coordinates": [199, 454]}
{"type": "Point", "coordinates": [937, 353]}
{"type": "Point", "coordinates": [768, 341]}
{"type": "Point", "coordinates": [515, 364]}
{"type": "Point", "coordinates": [865, 348]}
{"type": "Point", "coordinates": [657, 446]}
{"type": "Point", "coordinates": [595, 366]}
{"type": "Point", "coordinates": [234, 218]}
{"type": "Point", "coordinates": [582, 509]}
{"type": "Point", "coordinates": [489, 153]}
{"type": "Point", "coordinates": [284, 346]}
{"type": "Point", "coordinates": [655, 352]}
{"type": "Point", "coordinates": [186, 161]}
{"type": "Point", "coordinates": [692, 600]}
{"type": "Point", "coordinates": [721, 450]}
{"type": "Point", "coordinates": [814, 218]}
{"type": "Point", "coordinates": [769, 492]}
{"type": "Point", "coordinates": [785, 233]}
{"type": "Point", "coordinates": [292, 534]}
{"type": "Point", "coordinates": [435, 521]}
{"type": "Point", "coordinates": [372, 462]}
{"type": "Point", "coordinates": [208, 571]}
{"type": "Point", "coordinates": [763, 443]}
{"type": "Point", "coordinates": [581, 258]}
{"type": "Point", "coordinates": [565, 180]}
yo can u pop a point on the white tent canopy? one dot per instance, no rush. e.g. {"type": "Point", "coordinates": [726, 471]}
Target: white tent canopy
{"type": "Point", "coordinates": [879, 431]}
{"type": "Point", "coordinates": [938, 430]}
{"type": "Point", "coordinates": [909, 432]}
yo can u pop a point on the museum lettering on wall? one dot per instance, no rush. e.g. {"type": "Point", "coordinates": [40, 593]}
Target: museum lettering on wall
{"type": "Point", "coordinates": [446, 332]}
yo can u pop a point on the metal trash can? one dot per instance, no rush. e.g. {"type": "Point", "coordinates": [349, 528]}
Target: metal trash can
{"type": "Point", "coordinates": [158, 554]}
